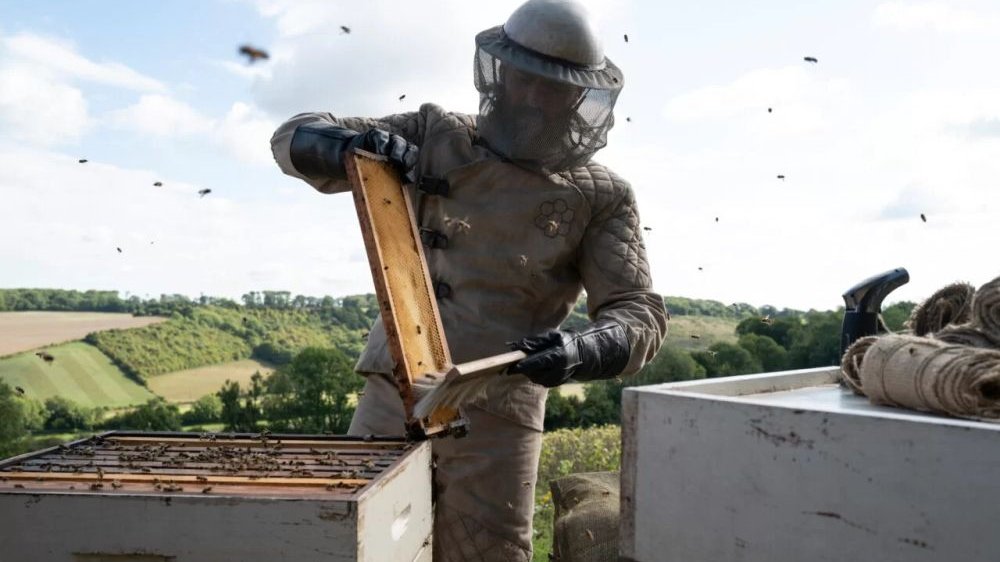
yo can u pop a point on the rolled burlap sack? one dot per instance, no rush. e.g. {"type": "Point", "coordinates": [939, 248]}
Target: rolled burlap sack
{"type": "Point", "coordinates": [932, 376]}
{"type": "Point", "coordinates": [967, 334]}
{"type": "Point", "coordinates": [949, 305]}
{"type": "Point", "coordinates": [850, 363]}
{"type": "Point", "coordinates": [983, 326]}
{"type": "Point", "coordinates": [986, 309]}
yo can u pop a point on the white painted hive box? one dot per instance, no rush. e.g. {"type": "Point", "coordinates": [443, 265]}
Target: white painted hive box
{"type": "Point", "coordinates": [130, 497]}
{"type": "Point", "coordinates": [790, 467]}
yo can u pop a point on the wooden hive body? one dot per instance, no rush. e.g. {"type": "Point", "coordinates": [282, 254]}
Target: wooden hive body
{"type": "Point", "coordinates": [149, 497]}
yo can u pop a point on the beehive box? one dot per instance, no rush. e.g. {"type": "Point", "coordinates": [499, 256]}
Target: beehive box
{"type": "Point", "coordinates": [127, 497]}
{"type": "Point", "coordinates": [790, 467]}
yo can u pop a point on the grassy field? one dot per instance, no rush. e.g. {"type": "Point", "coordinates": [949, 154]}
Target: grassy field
{"type": "Point", "coordinates": [24, 331]}
{"type": "Point", "coordinates": [80, 373]}
{"type": "Point", "coordinates": [191, 384]}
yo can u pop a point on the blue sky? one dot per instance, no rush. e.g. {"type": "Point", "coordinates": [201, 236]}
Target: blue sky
{"type": "Point", "coordinates": [901, 116]}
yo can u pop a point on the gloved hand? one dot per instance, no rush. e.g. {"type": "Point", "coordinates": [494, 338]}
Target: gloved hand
{"type": "Point", "coordinates": [318, 150]}
{"type": "Point", "coordinates": [599, 351]}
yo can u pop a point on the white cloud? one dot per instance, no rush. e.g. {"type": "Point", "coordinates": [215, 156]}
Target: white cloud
{"type": "Point", "coordinates": [802, 99]}
{"type": "Point", "coordinates": [162, 116]}
{"type": "Point", "coordinates": [62, 58]}
{"type": "Point", "coordinates": [243, 131]}
{"type": "Point", "coordinates": [258, 70]}
{"type": "Point", "coordinates": [40, 102]}
{"type": "Point", "coordinates": [246, 133]}
{"type": "Point", "coordinates": [70, 219]}
{"type": "Point", "coordinates": [38, 108]}
{"type": "Point", "coordinates": [940, 17]}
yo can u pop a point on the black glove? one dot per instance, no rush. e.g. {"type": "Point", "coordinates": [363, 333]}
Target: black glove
{"type": "Point", "coordinates": [599, 351]}
{"type": "Point", "coordinates": [318, 150]}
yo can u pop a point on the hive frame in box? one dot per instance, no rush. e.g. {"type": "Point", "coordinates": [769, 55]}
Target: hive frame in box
{"type": "Point", "coordinates": [409, 310]}
{"type": "Point", "coordinates": [93, 499]}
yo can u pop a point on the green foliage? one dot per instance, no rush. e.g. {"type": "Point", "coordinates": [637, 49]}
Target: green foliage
{"type": "Point", "coordinates": [782, 330]}
{"type": "Point", "coordinates": [726, 359]}
{"type": "Point", "coordinates": [177, 344]}
{"type": "Point", "coordinates": [241, 411]}
{"type": "Point", "coordinates": [155, 415]}
{"type": "Point", "coordinates": [683, 306]}
{"type": "Point", "coordinates": [818, 345]}
{"type": "Point", "coordinates": [896, 314]}
{"type": "Point", "coordinates": [59, 299]}
{"type": "Point", "coordinates": [62, 415]}
{"type": "Point", "coordinates": [310, 395]}
{"type": "Point", "coordinates": [207, 335]}
{"type": "Point", "coordinates": [771, 356]}
{"type": "Point", "coordinates": [207, 409]}
{"type": "Point", "coordinates": [561, 411]}
{"type": "Point", "coordinates": [602, 399]}
{"type": "Point", "coordinates": [569, 451]}
{"type": "Point", "coordinates": [19, 417]}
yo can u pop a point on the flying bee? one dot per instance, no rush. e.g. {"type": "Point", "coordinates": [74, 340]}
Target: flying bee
{"type": "Point", "coordinates": [157, 184]}
{"type": "Point", "coordinates": [344, 29]}
{"type": "Point", "coordinates": [204, 192]}
{"type": "Point", "coordinates": [253, 54]}
{"type": "Point", "coordinates": [206, 489]}
{"type": "Point", "coordinates": [83, 160]}
{"type": "Point", "coordinates": [402, 97]}
{"type": "Point", "coordinates": [813, 60]}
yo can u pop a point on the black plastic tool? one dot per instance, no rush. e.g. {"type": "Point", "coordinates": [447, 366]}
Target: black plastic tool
{"type": "Point", "coordinates": [863, 303]}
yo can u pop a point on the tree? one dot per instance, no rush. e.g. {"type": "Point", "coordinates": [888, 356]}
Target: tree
{"type": "Point", "coordinates": [561, 411]}
{"type": "Point", "coordinates": [602, 399]}
{"type": "Point", "coordinates": [725, 359]}
{"type": "Point", "coordinates": [18, 418]}
{"type": "Point", "coordinates": [895, 315]}
{"type": "Point", "coordinates": [154, 415]}
{"type": "Point", "coordinates": [782, 330]}
{"type": "Point", "coordinates": [310, 395]}
{"type": "Point", "coordinates": [63, 415]}
{"type": "Point", "coordinates": [771, 356]}
{"type": "Point", "coordinates": [818, 343]}
{"type": "Point", "coordinates": [207, 409]}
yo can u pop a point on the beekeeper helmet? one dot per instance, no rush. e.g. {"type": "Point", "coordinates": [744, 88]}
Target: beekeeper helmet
{"type": "Point", "coordinates": [546, 90]}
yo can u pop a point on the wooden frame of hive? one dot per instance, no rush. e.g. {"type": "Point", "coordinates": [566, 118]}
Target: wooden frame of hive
{"type": "Point", "coordinates": [403, 287]}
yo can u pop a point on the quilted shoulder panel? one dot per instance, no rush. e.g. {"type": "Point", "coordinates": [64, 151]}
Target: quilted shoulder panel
{"type": "Point", "coordinates": [614, 233]}
{"type": "Point", "coordinates": [439, 121]}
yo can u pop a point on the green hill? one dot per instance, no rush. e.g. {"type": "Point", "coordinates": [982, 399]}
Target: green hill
{"type": "Point", "coordinates": [80, 372]}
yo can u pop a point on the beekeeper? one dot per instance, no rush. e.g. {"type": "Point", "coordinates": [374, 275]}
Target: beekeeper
{"type": "Point", "coordinates": [516, 220]}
